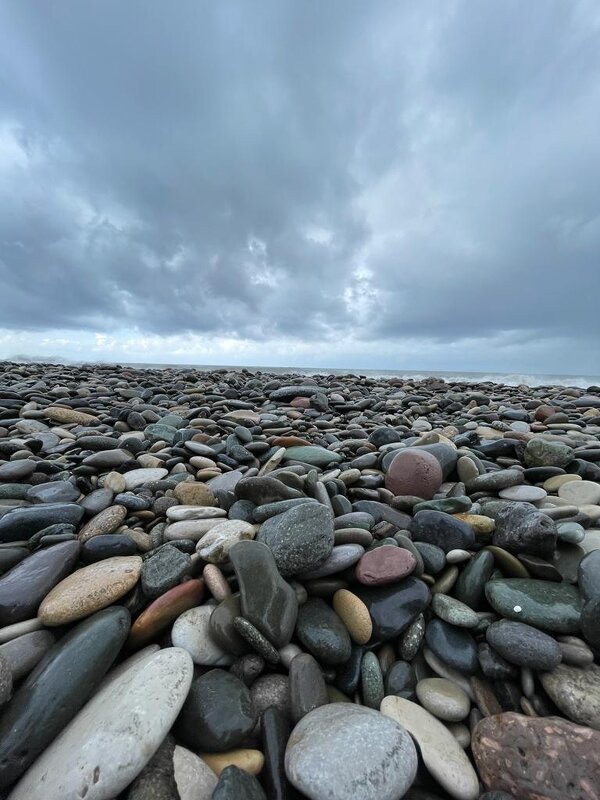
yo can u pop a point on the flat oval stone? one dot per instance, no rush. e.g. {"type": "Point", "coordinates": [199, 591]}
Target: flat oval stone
{"type": "Point", "coordinates": [163, 570]}
{"type": "Point", "coordinates": [342, 556]}
{"type": "Point", "coordinates": [454, 646]}
{"type": "Point", "coordinates": [576, 692]}
{"type": "Point", "coordinates": [25, 586]}
{"type": "Point", "coordinates": [266, 600]}
{"type": "Point", "coordinates": [23, 653]}
{"type": "Point", "coordinates": [544, 453]}
{"type": "Point", "coordinates": [441, 753]}
{"type": "Point", "coordinates": [307, 687]}
{"type": "Point", "coordinates": [107, 546]}
{"type": "Point", "coordinates": [122, 726]}
{"type": "Point", "coordinates": [453, 611]}
{"type": "Point", "coordinates": [523, 645]}
{"type": "Point", "coordinates": [323, 633]}
{"type": "Point", "coordinates": [326, 755]}
{"type": "Point", "coordinates": [53, 492]}
{"type": "Point", "coordinates": [89, 589]}
{"type": "Point", "coordinates": [217, 714]}
{"type": "Point", "coordinates": [536, 758]}
{"type": "Point", "coordinates": [384, 565]}
{"type": "Point", "coordinates": [414, 471]}
{"type": "Point", "coordinates": [22, 523]}
{"type": "Point", "coordinates": [443, 698]}
{"type": "Point", "coordinates": [191, 631]}
{"type": "Point", "coordinates": [138, 477]}
{"type": "Point", "coordinates": [164, 610]}
{"type": "Point", "coordinates": [470, 585]}
{"type": "Point", "coordinates": [443, 530]}
{"type": "Point", "coordinates": [310, 454]}
{"type": "Point", "coordinates": [523, 493]}
{"type": "Point", "coordinates": [107, 521]}
{"type": "Point", "coordinates": [47, 701]}
{"type": "Point", "coordinates": [554, 607]}
{"type": "Point", "coordinates": [354, 614]}
{"type": "Point", "coordinates": [300, 539]}
{"type": "Point", "coordinates": [393, 608]}
{"type": "Point", "coordinates": [179, 513]}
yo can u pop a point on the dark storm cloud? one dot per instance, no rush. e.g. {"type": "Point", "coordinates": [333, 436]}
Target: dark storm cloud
{"type": "Point", "coordinates": [300, 169]}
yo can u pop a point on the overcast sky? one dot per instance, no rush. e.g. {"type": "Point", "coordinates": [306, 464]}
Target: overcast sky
{"type": "Point", "coordinates": [296, 182]}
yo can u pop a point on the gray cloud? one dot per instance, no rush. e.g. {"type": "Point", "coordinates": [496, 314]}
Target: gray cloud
{"type": "Point", "coordinates": [304, 170]}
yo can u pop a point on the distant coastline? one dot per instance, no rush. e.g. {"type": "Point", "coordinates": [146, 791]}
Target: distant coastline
{"type": "Point", "coordinates": [581, 381]}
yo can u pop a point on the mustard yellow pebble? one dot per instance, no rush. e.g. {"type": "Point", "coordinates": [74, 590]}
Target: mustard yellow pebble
{"type": "Point", "coordinates": [354, 614]}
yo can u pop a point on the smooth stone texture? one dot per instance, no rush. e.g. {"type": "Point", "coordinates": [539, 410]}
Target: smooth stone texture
{"type": "Point", "coordinates": [342, 556]}
{"type": "Point", "coordinates": [164, 610]}
{"type": "Point", "coordinates": [580, 493]}
{"type": "Point", "coordinates": [107, 521]}
{"type": "Point", "coordinates": [138, 477]}
{"type": "Point", "coordinates": [544, 453]}
{"type": "Point", "coordinates": [443, 530]}
{"type": "Point", "coordinates": [309, 454]}
{"type": "Point", "coordinates": [266, 600]}
{"type": "Point", "coordinates": [236, 784]}
{"type": "Point", "coordinates": [415, 472]}
{"type": "Point", "coordinates": [53, 492]}
{"type": "Point", "coordinates": [326, 757]}
{"type": "Point", "coordinates": [523, 645]}
{"type": "Point", "coordinates": [22, 523]}
{"type": "Point", "coordinates": [434, 558]}
{"type": "Point", "coordinates": [576, 692]}
{"type": "Point", "coordinates": [191, 631]}
{"type": "Point", "coordinates": [393, 608]}
{"type": "Point", "coordinates": [107, 546]}
{"type": "Point", "coordinates": [354, 614]}
{"type": "Point", "coordinates": [453, 611]}
{"type": "Point", "coordinates": [441, 753]}
{"type": "Point", "coordinates": [323, 633]}
{"type": "Point", "coordinates": [536, 758]}
{"type": "Point", "coordinates": [523, 493]}
{"type": "Point", "coordinates": [300, 539]}
{"type": "Point", "coordinates": [307, 687]}
{"type": "Point", "coordinates": [443, 698]}
{"type": "Point", "coordinates": [54, 692]}
{"type": "Point", "coordinates": [90, 589]}
{"type": "Point", "coordinates": [194, 779]}
{"type": "Point", "coordinates": [112, 739]}
{"type": "Point", "coordinates": [470, 585]}
{"type": "Point", "coordinates": [401, 680]}
{"type": "Point", "coordinates": [215, 545]}
{"type": "Point", "coordinates": [217, 714]}
{"type": "Point", "coordinates": [588, 575]}
{"type": "Point", "coordinates": [384, 565]}
{"type": "Point", "coordinates": [554, 607]}
{"type": "Point", "coordinates": [23, 653]}
{"type": "Point", "coordinates": [251, 761]}
{"type": "Point", "coordinates": [25, 586]}
{"type": "Point", "coordinates": [454, 646]}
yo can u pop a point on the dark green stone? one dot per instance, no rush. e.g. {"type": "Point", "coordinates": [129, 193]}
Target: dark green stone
{"type": "Point", "coordinates": [222, 629]}
{"type": "Point", "coordinates": [470, 586]}
{"type": "Point", "coordinates": [235, 784]}
{"type": "Point", "coordinates": [552, 606]}
{"type": "Point", "coordinates": [266, 600]}
{"type": "Point", "coordinates": [371, 681]}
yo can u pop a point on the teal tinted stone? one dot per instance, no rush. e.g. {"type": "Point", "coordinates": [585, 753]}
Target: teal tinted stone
{"type": "Point", "coordinates": [313, 455]}
{"type": "Point", "coordinates": [470, 586]}
{"type": "Point", "coordinates": [449, 505]}
{"type": "Point", "coordinates": [552, 606]}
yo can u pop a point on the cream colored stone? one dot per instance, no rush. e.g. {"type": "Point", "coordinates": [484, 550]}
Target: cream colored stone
{"type": "Point", "coordinates": [249, 760]}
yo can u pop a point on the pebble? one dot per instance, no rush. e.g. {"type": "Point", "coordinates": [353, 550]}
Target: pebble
{"type": "Point", "coordinates": [326, 755]}
{"type": "Point", "coordinates": [441, 753]}
{"type": "Point", "coordinates": [443, 698]}
{"type": "Point", "coordinates": [90, 589]}
{"type": "Point", "coordinates": [384, 565]}
{"type": "Point", "coordinates": [354, 614]}
{"type": "Point", "coordinates": [191, 632]}
{"type": "Point", "coordinates": [147, 698]}
{"type": "Point", "coordinates": [194, 779]}
{"type": "Point", "coordinates": [576, 692]}
{"type": "Point", "coordinates": [524, 645]}
{"type": "Point", "coordinates": [414, 471]}
{"type": "Point", "coordinates": [300, 539]}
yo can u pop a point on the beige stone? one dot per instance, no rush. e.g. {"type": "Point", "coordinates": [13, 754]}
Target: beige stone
{"type": "Point", "coordinates": [249, 760]}
{"type": "Point", "coordinates": [107, 521]}
{"type": "Point", "coordinates": [69, 416]}
{"type": "Point", "coordinates": [190, 529]}
{"type": "Point", "coordinates": [90, 589]}
{"type": "Point", "coordinates": [554, 483]}
{"type": "Point", "coordinates": [215, 545]}
{"type": "Point", "coordinates": [478, 522]}
{"type": "Point", "coordinates": [114, 481]}
{"type": "Point", "coordinates": [193, 493]}
{"type": "Point", "coordinates": [354, 614]}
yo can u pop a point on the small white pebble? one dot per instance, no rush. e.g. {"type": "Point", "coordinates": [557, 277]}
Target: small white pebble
{"type": "Point", "coordinates": [517, 609]}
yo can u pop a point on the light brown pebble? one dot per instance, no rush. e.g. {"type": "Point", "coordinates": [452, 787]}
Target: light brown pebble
{"type": "Point", "coordinates": [114, 481]}
{"type": "Point", "coordinates": [68, 416]}
{"type": "Point", "coordinates": [354, 614]}
{"type": "Point", "coordinates": [443, 698]}
{"type": "Point", "coordinates": [89, 589]}
{"type": "Point", "coordinates": [106, 521]}
{"type": "Point", "coordinates": [479, 523]}
{"type": "Point", "coordinates": [251, 761]}
{"type": "Point", "coordinates": [216, 582]}
{"type": "Point", "coordinates": [554, 483]}
{"type": "Point", "coordinates": [193, 493]}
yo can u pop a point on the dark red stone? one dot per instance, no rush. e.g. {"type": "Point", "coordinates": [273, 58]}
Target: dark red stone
{"type": "Point", "coordinates": [414, 472]}
{"type": "Point", "coordinates": [386, 564]}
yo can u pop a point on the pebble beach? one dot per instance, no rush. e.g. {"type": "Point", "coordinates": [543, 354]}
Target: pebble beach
{"type": "Point", "coordinates": [270, 586]}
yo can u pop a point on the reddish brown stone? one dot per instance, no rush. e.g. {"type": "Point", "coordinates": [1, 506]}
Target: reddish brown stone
{"type": "Point", "coordinates": [543, 412]}
{"type": "Point", "coordinates": [300, 402]}
{"type": "Point", "coordinates": [414, 472]}
{"type": "Point", "coordinates": [164, 610]}
{"type": "Point", "coordinates": [387, 564]}
{"type": "Point", "coordinates": [538, 758]}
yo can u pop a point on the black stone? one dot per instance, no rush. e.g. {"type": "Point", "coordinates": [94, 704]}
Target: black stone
{"type": "Point", "coordinates": [443, 530]}
{"type": "Point", "coordinates": [394, 607]}
{"type": "Point", "coordinates": [470, 586]}
{"type": "Point", "coordinates": [107, 545]}
{"type": "Point", "coordinates": [401, 680]}
{"type": "Point", "coordinates": [275, 733]}
{"type": "Point", "coordinates": [21, 523]}
{"type": "Point", "coordinates": [217, 714]}
{"type": "Point", "coordinates": [524, 645]}
{"type": "Point", "coordinates": [236, 784]}
{"type": "Point", "coordinates": [25, 586]}
{"type": "Point", "coordinates": [454, 646]}
{"type": "Point", "coordinates": [323, 633]}
{"type": "Point", "coordinates": [521, 528]}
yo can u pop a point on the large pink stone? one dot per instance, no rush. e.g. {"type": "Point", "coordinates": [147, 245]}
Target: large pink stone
{"type": "Point", "coordinates": [414, 472]}
{"type": "Point", "coordinates": [538, 758]}
{"type": "Point", "coordinates": [386, 564]}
